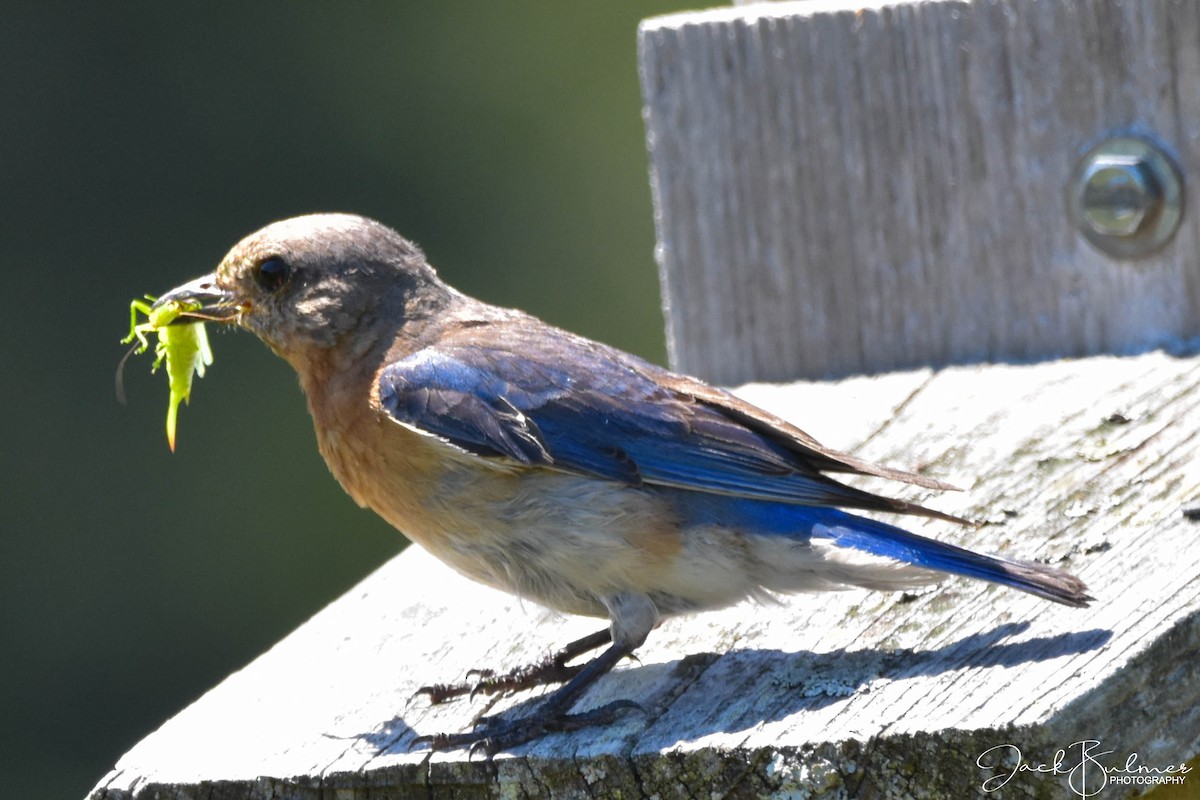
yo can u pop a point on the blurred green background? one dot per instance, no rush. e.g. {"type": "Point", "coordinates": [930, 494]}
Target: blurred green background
{"type": "Point", "coordinates": [138, 142]}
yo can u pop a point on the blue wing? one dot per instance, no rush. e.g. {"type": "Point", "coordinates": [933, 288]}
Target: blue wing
{"type": "Point", "coordinates": [542, 397]}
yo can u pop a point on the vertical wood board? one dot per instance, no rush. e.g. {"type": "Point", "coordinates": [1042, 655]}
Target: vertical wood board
{"type": "Point", "coordinates": [845, 188]}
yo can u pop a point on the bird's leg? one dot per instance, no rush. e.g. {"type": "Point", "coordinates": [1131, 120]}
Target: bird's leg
{"type": "Point", "coordinates": [493, 735]}
{"type": "Point", "coordinates": [551, 669]}
{"type": "Point", "coordinates": [633, 616]}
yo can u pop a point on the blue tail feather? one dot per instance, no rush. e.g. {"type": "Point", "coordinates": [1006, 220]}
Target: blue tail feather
{"type": "Point", "coordinates": [881, 539]}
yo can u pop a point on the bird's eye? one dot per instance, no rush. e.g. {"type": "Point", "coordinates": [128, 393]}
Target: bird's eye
{"type": "Point", "coordinates": [272, 273]}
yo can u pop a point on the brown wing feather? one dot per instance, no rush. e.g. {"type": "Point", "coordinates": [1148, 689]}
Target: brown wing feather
{"type": "Point", "coordinates": [820, 457]}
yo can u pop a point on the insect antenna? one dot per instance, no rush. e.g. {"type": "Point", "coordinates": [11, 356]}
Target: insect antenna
{"type": "Point", "coordinates": [121, 372]}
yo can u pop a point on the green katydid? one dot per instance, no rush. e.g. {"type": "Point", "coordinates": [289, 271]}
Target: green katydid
{"type": "Point", "coordinates": [184, 348]}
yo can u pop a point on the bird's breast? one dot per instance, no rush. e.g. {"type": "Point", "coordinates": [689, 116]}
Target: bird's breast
{"type": "Point", "coordinates": [560, 539]}
{"type": "Point", "coordinates": [563, 539]}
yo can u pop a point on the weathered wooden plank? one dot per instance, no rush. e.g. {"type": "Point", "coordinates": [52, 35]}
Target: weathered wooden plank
{"type": "Point", "coordinates": [1084, 463]}
{"type": "Point", "coordinates": [846, 186]}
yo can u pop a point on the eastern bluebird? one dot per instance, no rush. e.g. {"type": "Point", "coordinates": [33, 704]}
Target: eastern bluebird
{"type": "Point", "coordinates": [557, 468]}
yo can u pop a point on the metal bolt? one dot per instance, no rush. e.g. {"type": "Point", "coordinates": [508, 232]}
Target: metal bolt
{"type": "Point", "coordinates": [1126, 197]}
{"type": "Point", "coordinates": [1119, 194]}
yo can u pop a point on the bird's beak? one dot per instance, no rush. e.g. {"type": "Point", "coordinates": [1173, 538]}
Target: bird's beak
{"type": "Point", "coordinates": [206, 302]}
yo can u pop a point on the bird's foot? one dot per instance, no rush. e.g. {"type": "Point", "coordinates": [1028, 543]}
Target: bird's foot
{"type": "Point", "coordinates": [492, 734]}
{"type": "Point", "coordinates": [551, 669]}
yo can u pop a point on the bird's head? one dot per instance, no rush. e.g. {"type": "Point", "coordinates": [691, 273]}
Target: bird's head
{"type": "Point", "coordinates": [305, 283]}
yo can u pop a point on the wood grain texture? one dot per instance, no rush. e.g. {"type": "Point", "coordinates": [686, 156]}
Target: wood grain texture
{"type": "Point", "coordinates": [1084, 463]}
{"type": "Point", "coordinates": [846, 187]}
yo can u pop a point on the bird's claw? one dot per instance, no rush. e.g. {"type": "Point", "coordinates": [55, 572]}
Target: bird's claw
{"type": "Point", "coordinates": [439, 693]}
{"type": "Point", "coordinates": [551, 669]}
